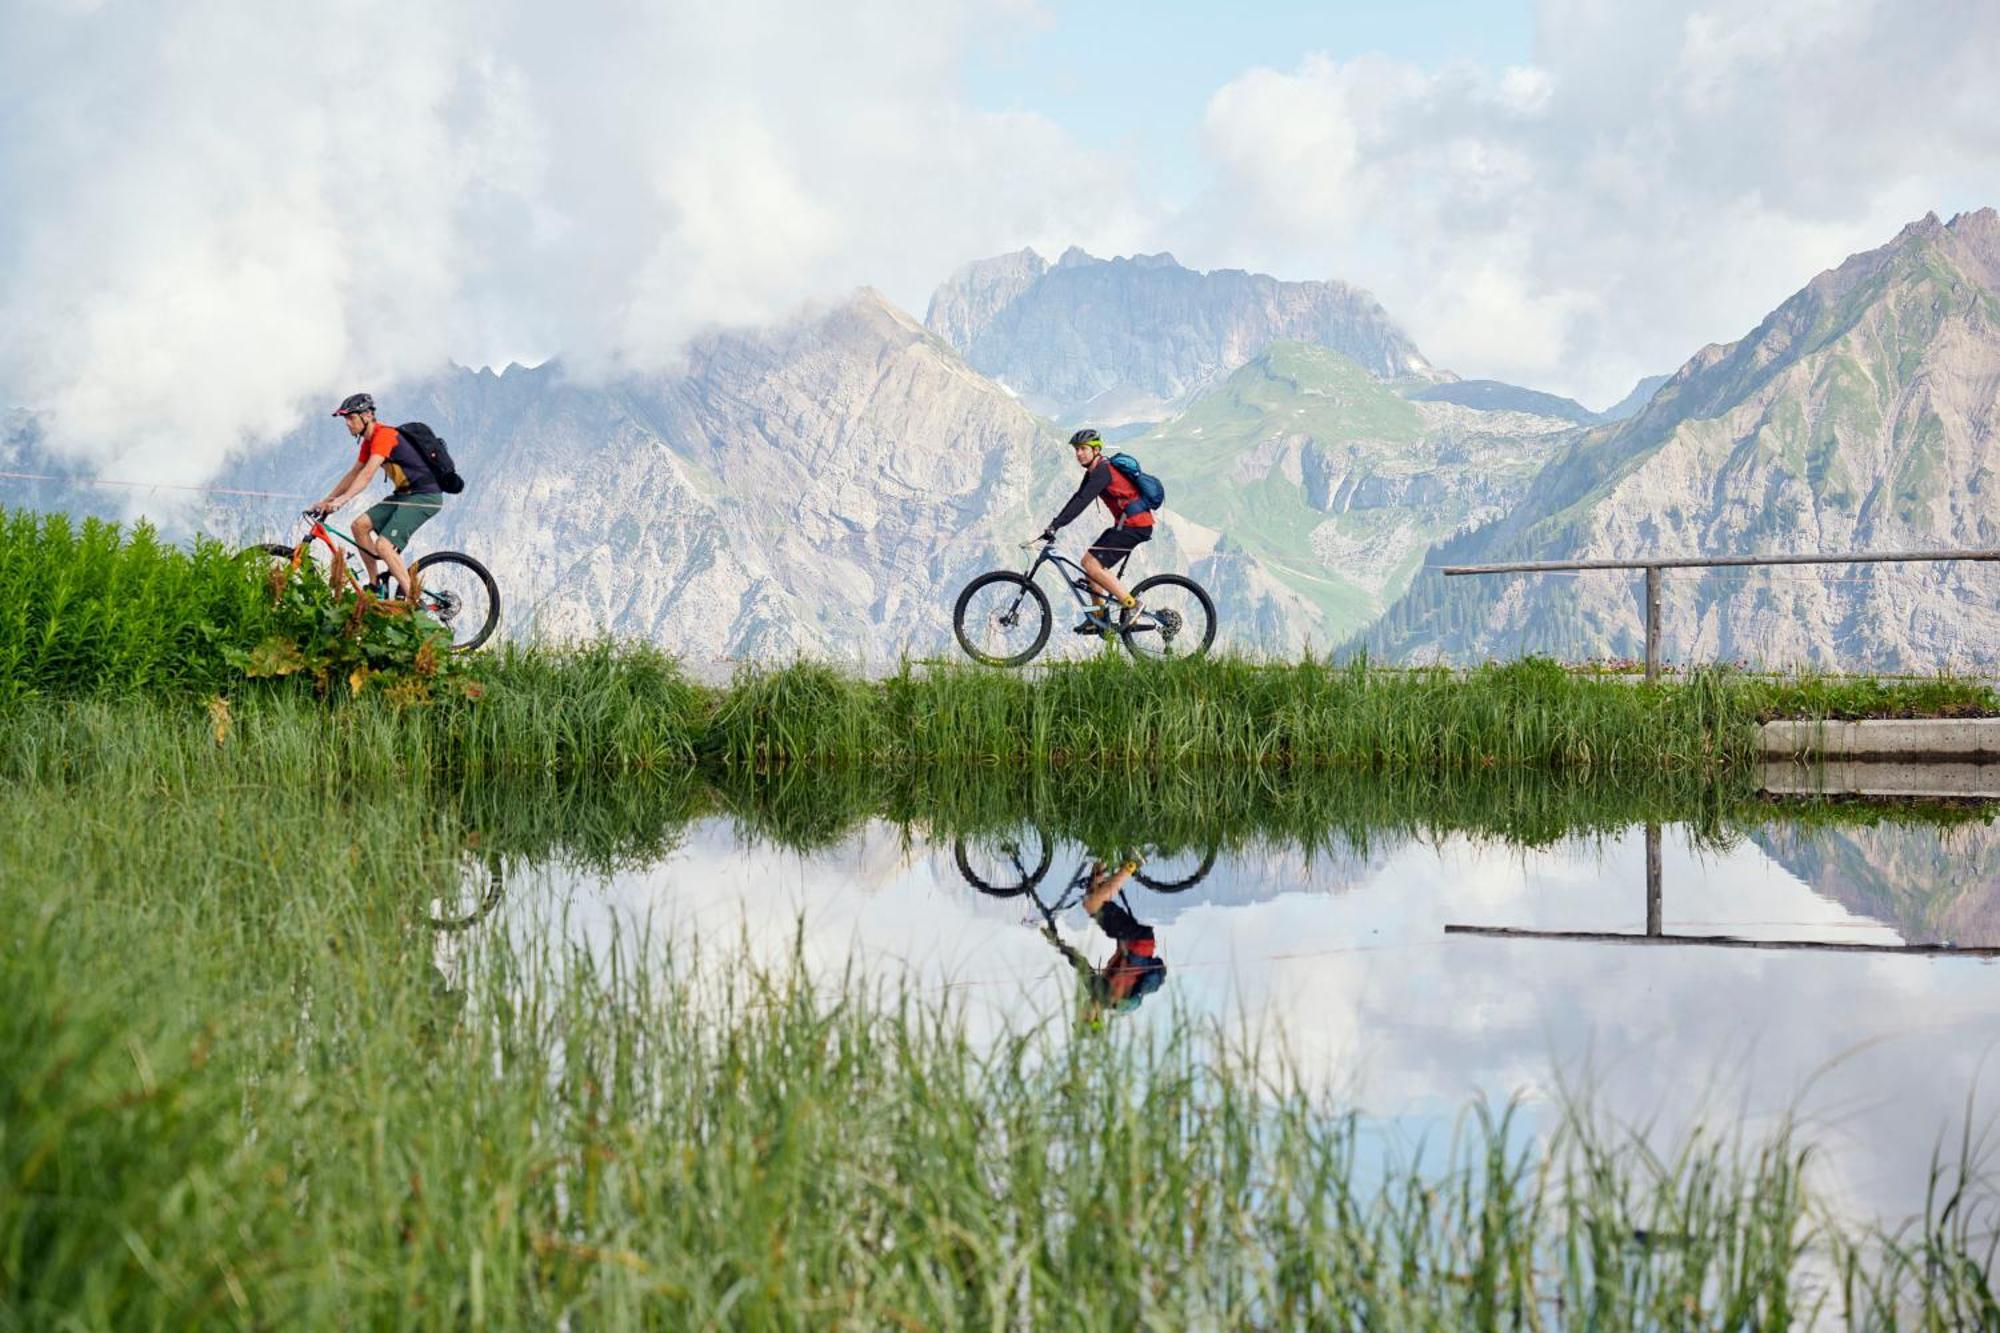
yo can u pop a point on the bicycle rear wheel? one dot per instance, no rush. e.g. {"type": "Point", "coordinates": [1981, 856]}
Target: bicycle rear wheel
{"type": "Point", "coordinates": [1004, 867]}
{"type": "Point", "coordinates": [457, 592]}
{"type": "Point", "coordinates": [1001, 619]}
{"type": "Point", "coordinates": [1175, 619]}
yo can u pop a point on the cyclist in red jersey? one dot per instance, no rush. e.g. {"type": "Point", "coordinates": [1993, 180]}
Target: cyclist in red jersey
{"type": "Point", "coordinates": [1135, 968]}
{"type": "Point", "coordinates": [383, 532]}
{"type": "Point", "coordinates": [1102, 481]}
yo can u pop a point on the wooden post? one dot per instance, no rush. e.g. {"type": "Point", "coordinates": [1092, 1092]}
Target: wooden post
{"type": "Point", "coordinates": [1653, 879]}
{"type": "Point", "coordinates": [1652, 623]}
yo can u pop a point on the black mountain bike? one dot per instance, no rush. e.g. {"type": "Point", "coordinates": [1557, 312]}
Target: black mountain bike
{"type": "Point", "coordinates": [1003, 618]}
{"type": "Point", "coordinates": [1015, 863]}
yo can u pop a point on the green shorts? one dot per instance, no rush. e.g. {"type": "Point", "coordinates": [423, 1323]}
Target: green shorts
{"type": "Point", "coordinates": [399, 516]}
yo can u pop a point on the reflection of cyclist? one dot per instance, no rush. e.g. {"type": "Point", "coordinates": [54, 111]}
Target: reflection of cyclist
{"type": "Point", "coordinates": [1135, 969]}
{"type": "Point", "coordinates": [1102, 481]}
{"type": "Point", "coordinates": [386, 528]}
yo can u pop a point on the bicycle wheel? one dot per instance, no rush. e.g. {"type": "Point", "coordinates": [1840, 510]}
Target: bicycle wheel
{"type": "Point", "coordinates": [1171, 874]}
{"type": "Point", "coordinates": [1004, 867]}
{"type": "Point", "coordinates": [1001, 619]}
{"type": "Point", "coordinates": [1175, 619]}
{"type": "Point", "coordinates": [459, 594]}
{"type": "Point", "coordinates": [478, 893]}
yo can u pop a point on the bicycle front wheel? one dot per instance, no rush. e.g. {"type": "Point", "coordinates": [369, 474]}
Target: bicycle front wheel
{"type": "Point", "coordinates": [1171, 874]}
{"type": "Point", "coordinates": [1175, 619]}
{"type": "Point", "coordinates": [456, 591]}
{"type": "Point", "coordinates": [1001, 619]}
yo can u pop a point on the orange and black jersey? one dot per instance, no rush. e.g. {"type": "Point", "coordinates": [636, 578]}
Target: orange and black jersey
{"type": "Point", "coordinates": [403, 461]}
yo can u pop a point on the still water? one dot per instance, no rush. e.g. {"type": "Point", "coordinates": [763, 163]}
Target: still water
{"type": "Point", "coordinates": [1680, 979]}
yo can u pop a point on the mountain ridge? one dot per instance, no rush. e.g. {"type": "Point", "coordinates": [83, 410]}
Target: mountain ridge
{"type": "Point", "coordinates": [1136, 338]}
{"type": "Point", "coordinates": [1858, 415]}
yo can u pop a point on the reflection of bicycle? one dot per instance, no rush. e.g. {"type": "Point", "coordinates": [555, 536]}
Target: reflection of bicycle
{"type": "Point", "coordinates": [1003, 618]}
{"type": "Point", "coordinates": [1011, 865]}
{"type": "Point", "coordinates": [453, 589]}
{"type": "Point", "coordinates": [478, 892]}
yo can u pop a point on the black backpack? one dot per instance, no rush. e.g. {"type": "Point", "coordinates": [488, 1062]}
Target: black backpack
{"type": "Point", "coordinates": [431, 446]}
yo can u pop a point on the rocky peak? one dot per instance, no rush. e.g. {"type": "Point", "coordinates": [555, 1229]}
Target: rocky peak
{"type": "Point", "coordinates": [1133, 339]}
{"type": "Point", "coordinates": [961, 309]}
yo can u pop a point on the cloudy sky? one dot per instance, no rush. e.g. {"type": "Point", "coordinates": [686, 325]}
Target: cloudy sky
{"type": "Point", "coordinates": [218, 211]}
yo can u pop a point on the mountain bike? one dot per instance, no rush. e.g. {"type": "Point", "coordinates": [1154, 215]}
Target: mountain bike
{"type": "Point", "coordinates": [1014, 864]}
{"type": "Point", "coordinates": [1003, 618]}
{"type": "Point", "coordinates": [452, 588]}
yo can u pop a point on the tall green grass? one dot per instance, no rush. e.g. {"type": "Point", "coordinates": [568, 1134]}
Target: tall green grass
{"type": "Point", "coordinates": [88, 608]}
{"type": "Point", "coordinates": [94, 615]}
{"type": "Point", "coordinates": [239, 1087]}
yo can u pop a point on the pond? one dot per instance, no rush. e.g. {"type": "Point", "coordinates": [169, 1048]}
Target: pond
{"type": "Point", "coordinates": [1841, 972]}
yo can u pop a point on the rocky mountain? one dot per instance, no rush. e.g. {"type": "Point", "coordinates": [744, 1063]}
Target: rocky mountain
{"type": "Point", "coordinates": [1933, 883]}
{"type": "Point", "coordinates": [821, 489]}
{"type": "Point", "coordinates": [1859, 416]}
{"type": "Point", "coordinates": [1134, 339]}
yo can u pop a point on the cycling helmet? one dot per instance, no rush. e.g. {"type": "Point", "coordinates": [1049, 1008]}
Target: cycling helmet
{"type": "Point", "coordinates": [1083, 437]}
{"type": "Point", "coordinates": [353, 403]}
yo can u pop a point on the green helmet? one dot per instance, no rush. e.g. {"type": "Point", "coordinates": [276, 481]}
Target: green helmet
{"type": "Point", "coordinates": [1086, 436]}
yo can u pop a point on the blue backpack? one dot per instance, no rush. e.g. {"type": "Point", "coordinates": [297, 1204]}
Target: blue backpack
{"type": "Point", "coordinates": [1152, 494]}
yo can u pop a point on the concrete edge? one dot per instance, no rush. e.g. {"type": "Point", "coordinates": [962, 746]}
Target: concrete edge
{"type": "Point", "coordinates": [1893, 778]}
{"type": "Point", "coordinates": [1974, 740]}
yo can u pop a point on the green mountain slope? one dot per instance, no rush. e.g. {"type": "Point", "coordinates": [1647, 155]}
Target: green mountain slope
{"type": "Point", "coordinates": [1332, 482]}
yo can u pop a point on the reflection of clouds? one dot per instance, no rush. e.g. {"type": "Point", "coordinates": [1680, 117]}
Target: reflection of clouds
{"type": "Point", "coordinates": [1342, 967]}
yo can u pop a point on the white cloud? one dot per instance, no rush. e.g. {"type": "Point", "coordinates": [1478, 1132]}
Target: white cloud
{"type": "Point", "coordinates": [219, 211]}
{"type": "Point", "coordinates": [1658, 178]}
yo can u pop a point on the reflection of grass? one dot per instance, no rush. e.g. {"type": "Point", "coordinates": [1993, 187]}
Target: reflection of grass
{"type": "Point", "coordinates": [242, 1086]}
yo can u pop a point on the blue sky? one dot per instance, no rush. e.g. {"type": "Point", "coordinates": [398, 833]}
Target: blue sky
{"type": "Point", "coordinates": [1132, 79]}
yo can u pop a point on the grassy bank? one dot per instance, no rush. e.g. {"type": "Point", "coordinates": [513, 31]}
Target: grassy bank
{"type": "Point", "coordinates": [610, 709]}
{"type": "Point", "coordinates": [93, 614]}
{"type": "Point", "coordinates": [241, 1085]}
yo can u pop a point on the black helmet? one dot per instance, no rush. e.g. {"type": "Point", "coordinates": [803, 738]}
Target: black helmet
{"type": "Point", "coordinates": [1083, 437]}
{"type": "Point", "coordinates": [353, 403]}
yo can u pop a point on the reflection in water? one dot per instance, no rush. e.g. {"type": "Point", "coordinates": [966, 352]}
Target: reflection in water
{"type": "Point", "coordinates": [1655, 934]}
{"type": "Point", "coordinates": [1007, 866]}
{"type": "Point", "coordinates": [1337, 955]}
{"type": "Point", "coordinates": [481, 885]}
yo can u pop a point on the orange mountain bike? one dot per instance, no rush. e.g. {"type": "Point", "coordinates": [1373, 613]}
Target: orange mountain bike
{"type": "Point", "coordinates": [452, 588]}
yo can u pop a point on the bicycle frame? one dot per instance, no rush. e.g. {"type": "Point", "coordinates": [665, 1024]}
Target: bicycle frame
{"type": "Point", "coordinates": [324, 533]}
{"type": "Point", "coordinates": [1079, 583]}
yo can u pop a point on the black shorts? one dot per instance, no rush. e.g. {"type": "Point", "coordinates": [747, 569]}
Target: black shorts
{"type": "Point", "coordinates": [1121, 925]}
{"type": "Point", "coordinates": [1114, 544]}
